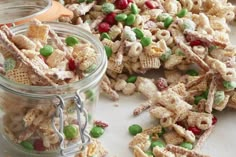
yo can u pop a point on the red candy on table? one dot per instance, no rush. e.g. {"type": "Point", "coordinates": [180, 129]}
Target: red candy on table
{"type": "Point", "coordinates": [103, 27]}
{"type": "Point", "coordinates": [121, 4]}
{"type": "Point", "coordinates": [110, 18]}
{"type": "Point", "coordinates": [38, 145]}
{"type": "Point", "coordinates": [150, 5]}
{"type": "Point", "coordinates": [195, 130]}
{"type": "Point", "coordinates": [71, 65]}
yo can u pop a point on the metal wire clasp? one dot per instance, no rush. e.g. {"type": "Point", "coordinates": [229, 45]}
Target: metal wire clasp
{"type": "Point", "coordinates": [84, 135]}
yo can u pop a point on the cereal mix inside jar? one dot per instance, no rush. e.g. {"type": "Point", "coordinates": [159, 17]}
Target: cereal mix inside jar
{"type": "Point", "coordinates": [50, 75]}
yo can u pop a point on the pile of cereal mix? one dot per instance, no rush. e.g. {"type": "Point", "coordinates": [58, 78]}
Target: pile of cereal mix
{"type": "Point", "coordinates": [189, 41]}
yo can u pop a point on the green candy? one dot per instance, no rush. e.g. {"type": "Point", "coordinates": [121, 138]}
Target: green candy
{"type": "Point", "coordinates": [163, 131]}
{"type": "Point", "coordinates": [108, 51]}
{"type": "Point", "coordinates": [157, 143]}
{"type": "Point", "coordinates": [179, 52]}
{"type": "Point", "coordinates": [139, 33]}
{"type": "Point", "coordinates": [80, 1]}
{"type": "Point", "coordinates": [9, 64]}
{"type": "Point", "coordinates": [168, 21]}
{"type": "Point", "coordinates": [182, 12]}
{"type": "Point", "coordinates": [105, 35]}
{"type": "Point", "coordinates": [164, 57]}
{"type": "Point", "coordinates": [91, 68]}
{"type": "Point", "coordinates": [135, 129]}
{"type": "Point", "coordinates": [27, 145]}
{"type": "Point", "coordinates": [211, 48]}
{"type": "Point", "coordinates": [89, 94]}
{"type": "Point", "coordinates": [96, 131]}
{"type": "Point", "coordinates": [71, 41]}
{"type": "Point", "coordinates": [89, 1]}
{"type": "Point", "coordinates": [130, 19]}
{"type": "Point", "coordinates": [192, 72]}
{"type": "Point", "coordinates": [229, 85]}
{"type": "Point", "coordinates": [70, 131]}
{"type": "Point", "coordinates": [46, 51]}
{"type": "Point", "coordinates": [121, 17]}
{"type": "Point", "coordinates": [134, 8]}
{"type": "Point", "coordinates": [187, 145]}
{"type": "Point", "coordinates": [149, 153]}
{"type": "Point", "coordinates": [219, 97]}
{"type": "Point", "coordinates": [162, 17]}
{"type": "Point", "coordinates": [131, 79]}
{"type": "Point", "coordinates": [108, 8]}
{"type": "Point", "coordinates": [146, 41]}
{"type": "Point", "coordinates": [197, 99]}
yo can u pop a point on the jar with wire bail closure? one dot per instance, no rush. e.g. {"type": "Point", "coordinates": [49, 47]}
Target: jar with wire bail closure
{"type": "Point", "coordinates": [51, 120]}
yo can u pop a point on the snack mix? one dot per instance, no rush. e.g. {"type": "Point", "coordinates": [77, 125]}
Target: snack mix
{"type": "Point", "coordinates": [186, 40]}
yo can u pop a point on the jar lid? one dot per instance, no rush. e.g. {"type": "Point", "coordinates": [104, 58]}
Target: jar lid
{"type": "Point", "coordinates": [12, 11]}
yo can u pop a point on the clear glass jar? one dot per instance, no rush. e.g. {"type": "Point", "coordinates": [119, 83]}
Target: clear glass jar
{"type": "Point", "coordinates": [30, 113]}
{"type": "Point", "coordinates": [15, 12]}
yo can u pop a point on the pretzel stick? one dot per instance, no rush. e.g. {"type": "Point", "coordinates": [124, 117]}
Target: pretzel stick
{"type": "Point", "coordinates": [211, 95]}
{"type": "Point", "coordinates": [19, 55]}
{"type": "Point", "coordinates": [203, 138]}
{"type": "Point", "coordinates": [179, 150]}
{"type": "Point", "coordinates": [7, 31]}
{"type": "Point", "coordinates": [191, 55]}
{"type": "Point", "coordinates": [144, 106]}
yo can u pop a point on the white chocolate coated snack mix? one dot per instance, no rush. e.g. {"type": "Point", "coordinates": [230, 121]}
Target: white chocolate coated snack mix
{"type": "Point", "coordinates": [189, 41]}
{"type": "Point", "coordinates": [41, 57]}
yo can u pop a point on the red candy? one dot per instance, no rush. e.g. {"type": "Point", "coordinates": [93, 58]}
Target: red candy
{"type": "Point", "coordinates": [196, 43]}
{"type": "Point", "coordinates": [195, 130]}
{"type": "Point", "coordinates": [38, 145]}
{"type": "Point", "coordinates": [103, 27]}
{"type": "Point", "coordinates": [130, 1]}
{"type": "Point", "coordinates": [71, 65]}
{"type": "Point", "coordinates": [214, 120]}
{"type": "Point", "coordinates": [110, 18]}
{"type": "Point", "coordinates": [150, 4]}
{"type": "Point", "coordinates": [121, 4]}
{"type": "Point", "coordinates": [161, 84]}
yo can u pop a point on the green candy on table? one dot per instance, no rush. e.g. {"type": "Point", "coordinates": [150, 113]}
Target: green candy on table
{"type": "Point", "coordinates": [108, 8]}
{"type": "Point", "coordinates": [192, 72]}
{"type": "Point", "coordinates": [182, 12]}
{"type": "Point", "coordinates": [219, 97]}
{"type": "Point", "coordinates": [9, 64]}
{"type": "Point", "coordinates": [96, 131]}
{"type": "Point", "coordinates": [131, 79]}
{"type": "Point", "coordinates": [71, 131]}
{"type": "Point", "coordinates": [46, 51]}
{"type": "Point", "coordinates": [157, 143]}
{"type": "Point", "coordinates": [146, 41]}
{"type": "Point", "coordinates": [187, 145]}
{"type": "Point", "coordinates": [121, 17]}
{"type": "Point", "coordinates": [27, 145]}
{"type": "Point", "coordinates": [135, 129]}
{"type": "Point", "coordinates": [71, 41]}
{"type": "Point", "coordinates": [139, 33]}
{"type": "Point", "coordinates": [130, 19]}
{"type": "Point", "coordinates": [229, 84]}
{"type": "Point", "coordinates": [134, 8]}
{"type": "Point", "coordinates": [108, 51]}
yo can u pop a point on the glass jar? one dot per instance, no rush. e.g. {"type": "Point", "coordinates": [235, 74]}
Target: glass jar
{"type": "Point", "coordinates": [15, 12]}
{"type": "Point", "coordinates": [41, 113]}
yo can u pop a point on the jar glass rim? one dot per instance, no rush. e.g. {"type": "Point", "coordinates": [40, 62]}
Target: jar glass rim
{"type": "Point", "coordinates": [11, 7]}
{"type": "Point", "coordinates": [95, 76]}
